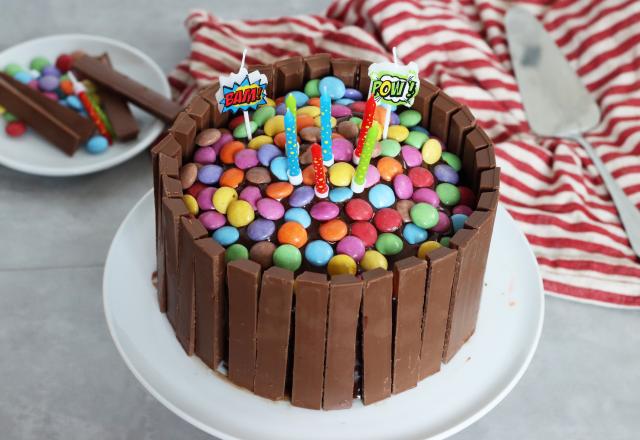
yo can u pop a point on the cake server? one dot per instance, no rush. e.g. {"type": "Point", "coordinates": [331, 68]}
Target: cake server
{"type": "Point", "coordinates": [557, 104]}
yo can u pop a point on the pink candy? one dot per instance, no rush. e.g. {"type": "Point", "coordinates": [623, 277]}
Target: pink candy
{"type": "Point", "coordinates": [205, 198]}
{"type": "Point", "coordinates": [402, 186]}
{"type": "Point", "coordinates": [251, 194]}
{"type": "Point", "coordinates": [205, 155]}
{"type": "Point", "coordinates": [411, 156]}
{"type": "Point", "coordinates": [212, 220]}
{"type": "Point", "coordinates": [426, 195]}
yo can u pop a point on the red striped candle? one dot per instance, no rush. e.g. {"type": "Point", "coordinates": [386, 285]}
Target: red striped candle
{"type": "Point", "coordinates": [321, 187]}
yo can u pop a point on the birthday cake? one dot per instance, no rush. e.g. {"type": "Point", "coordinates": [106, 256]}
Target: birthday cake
{"type": "Point", "coordinates": [322, 246]}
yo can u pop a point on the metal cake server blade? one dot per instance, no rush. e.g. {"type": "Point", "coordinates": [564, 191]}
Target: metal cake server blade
{"type": "Point", "coordinates": [556, 102]}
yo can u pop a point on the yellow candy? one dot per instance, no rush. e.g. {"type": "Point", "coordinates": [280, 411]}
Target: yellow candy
{"type": "Point", "coordinates": [317, 123]}
{"type": "Point", "coordinates": [398, 132]}
{"type": "Point", "coordinates": [239, 213]}
{"type": "Point", "coordinates": [309, 110]}
{"type": "Point", "coordinates": [223, 197]}
{"type": "Point", "coordinates": [259, 141]}
{"type": "Point", "coordinates": [431, 151]}
{"type": "Point", "coordinates": [274, 125]}
{"type": "Point", "coordinates": [427, 247]}
{"type": "Point", "coordinates": [341, 173]}
{"type": "Point", "coordinates": [270, 102]}
{"type": "Point", "coordinates": [341, 265]}
{"type": "Point", "coordinates": [191, 203]}
{"type": "Point", "coordinates": [373, 260]}
{"type": "Point", "coordinates": [2, 110]}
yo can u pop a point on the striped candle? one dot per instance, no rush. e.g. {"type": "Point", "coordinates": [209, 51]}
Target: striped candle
{"type": "Point", "coordinates": [320, 176]}
{"type": "Point", "coordinates": [325, 129]}
{"type": "Point", "coordinates": [290, 103]}
{"type": "Point", "coordinates": [291, 149]}
{"type": "Point", "coordinates": [367, 121]}
{"type": "Point", "coordinates": [357, 184]}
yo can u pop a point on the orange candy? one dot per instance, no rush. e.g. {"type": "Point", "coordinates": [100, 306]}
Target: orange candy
{"type": "Point", "coordinates": [232, 177]}
{"type": "Point", "coordinates": [279, 190]}
{"type": "Point", "coordinates": [280, 139]}
{"type": "Point", "coordinates": [279, 100]}
{"type": "Point", "coordinates": [333, 230]}
{"type": "Point", "coordinates": [389, 168]}
{"type": "Point", "coordinates": [314, 101]}
{"type": "Point", "coordinates": [309, 175]}
{"type": "Point", "coordinates": [380, 114]}
{"type": "Point", "coordinates": [66, 86]}
{"type": "Point", "coordinates": [292, 233]}
{"type": "Point", "coordinates": [303, 121]}
{"type": "Point", "coordinates": [228, 151]}
{"type": "Point", "coordinates": [336, 136]}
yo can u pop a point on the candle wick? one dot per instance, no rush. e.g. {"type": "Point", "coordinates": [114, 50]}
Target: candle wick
{"type": "Point", "coordinates": [244, 54]}
{"type": "Point", "coordinates": [395, 55]}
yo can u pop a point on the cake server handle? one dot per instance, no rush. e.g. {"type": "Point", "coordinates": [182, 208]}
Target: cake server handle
{"type": "Point", "coordinates": [629, 214]}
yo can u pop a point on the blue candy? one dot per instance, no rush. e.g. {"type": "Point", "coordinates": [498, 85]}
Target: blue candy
{"type": "Point", "coordinates": [278, 167]}
{"type": "Point", "coordinates": [267, 153]}
{"type": "Point", "coordinates": [318, 253]}
{"type": "Point", "coordinates": [300, 97]}
{"type": "Point", "coordinates": [381, 196]}
{"type": "Point", "coordinates": [420, 128]}
{"type": "Point", "coordinates": [333, 86]}
{"type": "Point", "coordinates": [414, 234]}
{"type": "Point", "coordinates": [226, 235]}
{"type": "Point", "coordinates": [74, 102]}
{"type": "Point", "coordinates": [209, 174]}
{"type": "Point", "coordinates": [353, 94]}
{"type": "Point", "coordinates": [298, 215]}
{"type": "Point", "coordinates": [339, 195]}
{"type": "Point", "coordinates": [23, 77]}
{"type": "Point", "coordinates": [457, 221]}
{"type": "Point", "coordinates": [97, 144]}
{"type": "Point", "coordinates": [344, 101]}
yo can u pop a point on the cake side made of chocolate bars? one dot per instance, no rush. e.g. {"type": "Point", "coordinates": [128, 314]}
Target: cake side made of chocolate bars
{"type": "Point", "coordinates": [317, 341]}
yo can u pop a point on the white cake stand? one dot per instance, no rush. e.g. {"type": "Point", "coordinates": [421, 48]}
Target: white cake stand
{"type": "Point", "coordinates": [475, 381]}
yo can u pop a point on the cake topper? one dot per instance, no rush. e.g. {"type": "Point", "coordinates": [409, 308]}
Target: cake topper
{"type": "Point", "coordinates": [243, 91]}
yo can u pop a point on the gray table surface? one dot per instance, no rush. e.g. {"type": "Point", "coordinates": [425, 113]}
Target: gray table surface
{"type": "Point", "coordinates": [60, 375]}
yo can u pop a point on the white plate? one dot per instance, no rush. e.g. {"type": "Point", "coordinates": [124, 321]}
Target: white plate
{"type": "Point", "coordinates": [479, 377]}
{"type": "Point", "coordinates": [34, 155]}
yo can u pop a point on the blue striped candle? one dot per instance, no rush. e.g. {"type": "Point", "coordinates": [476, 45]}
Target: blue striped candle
{"type": "Point", "coordinates": [291, 149]}
{"type": "Point", "coordinates": [325, 129]}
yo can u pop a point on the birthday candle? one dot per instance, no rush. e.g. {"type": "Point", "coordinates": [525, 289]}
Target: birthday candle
{"type": "Point", "coordinates": [291, 149]}
{"type": "Point", "coordinates": [367, 121]}
{"type": "Point", "coordinates": [321, 187]}
{"type": "Point", "coordinates": [325, 129]}
{"type": "Point", "coordinates": [290, 102]}
{"type": "Point", "coordinates": [357, 184]}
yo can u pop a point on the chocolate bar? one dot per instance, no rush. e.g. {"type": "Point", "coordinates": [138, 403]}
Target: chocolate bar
{"type": "Point", "coordinates": [117, 110]}
{"type": "Point", "coordinates": [172, 211]}
{"type": "Point", "coordinates": [312, 296]}
{"type": "Point", "coordinates": [209, 94]}
{"type": "Point", "coordinates": [442, 111]}
{"type": "Point", "coordinates": [376, 335]}
{"type": "Point", "coordinates": [346, 70]}
{"type": "Point", "coordinates": [363, 78]}
{"type": "Point", "coordinates": [288, 75]}
{"type": "Point", "coordinates": [200, 111]}
{"type": "Point", "coordinates": [210, 302]}
{"type": "Point", "coordinates": [317, 66]}
{"type": "Point", "coordinates": [345, 295]}
{"type": "Point", "coordinates": [268, 71]}
{"type": "Point", "coordinates": [488, 201]}
{"type": "Point", "coordinates": [59, 125]}
{"type": "Point", "coordinates": [442, 268]}
{"type": "Point", "coordinates": [171, 148]}
{"type": "Point", "coordinates": [243, 282]}
{"type": "Point", "coordinates": [274, 323]}
{"type": "Point", "coordinates": [489, 180]}
{"type": "Point", "coordinates": [462, 123]}
{"type": "Point", "coordinates": [170, 188]}
{"type": "Point", "coordinates": [475, 141]}
{"type": "Point", "coordinates": [424, 100]}
{"type": "Point", "coordinates": [184, 132]}
{"type": "Point", "coordinates": [410, 277]}
{"type": "Point", "coordinates": [485, 160]}
{"type": "Point", "coordinates": [142, 96]}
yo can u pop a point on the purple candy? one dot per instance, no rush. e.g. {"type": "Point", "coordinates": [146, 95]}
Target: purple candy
{"type": "Point", "coordinates": [444, 173]}
{"type": "Point", "coordinates": [351, 246]}
{"type": "Point", "coordinates": [402, 186]}
{"type": "Point", "coordinates": [352, 94]}
{"type": "Point", "coordinates": [51, 71]}
{"type": "Point", "coordinates": [323, 211]}
{"type": "Point", "coordinates": [340, 111]}
{"type": "Point", "coordinates": [205, 155]}
{"type": "Point", "coordinates": [212, 220]}
{"type": "Point", "coordinates": [209, 174]}
{"type": "Point", "coordinates": [268, 152]}
{"type": "Point", "coordinates": [301, 196]}
{"type": "Point", "coordinates": [205, 198]}
{"type": "Point", "coordinates": [261, 229]}
{"type": "Point", "coordinates": [372, 177]}
{"type": "Point", "coordinates": [224, 139]}
{"type": "Point", "coordinates": [251, 194]}
{"type": "Point", "coordinates": [281, 108]}
{"type": "Point", "coordinates": [426, 195]}
{"type": "Point", "coordinates": [48, 83]}
{"type": "Point", "coordinates": [246, 158]}
{"type": "Point", "coordinates": [342, 150]}
{"type": "Point", "coordinates": [443, 224]}
{"type": "Point", "coordinates": [270, 209]}
{"type": "Point", "coordinates": [411, 156]}
{"type": "Point", "coordinates": [395, 119]}
{"type": "Point", "coordinates": [462, 209]}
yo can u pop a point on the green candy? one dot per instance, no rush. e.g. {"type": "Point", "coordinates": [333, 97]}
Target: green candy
{"type": "Point", "coordinates": [449, 194]}
{"type": "Point", "coordinates": [241, 130]}
{"type": "Point", "coordinates": [356, 120]}
{"type": "Point", "coordinates": [390, 147]}
{"type": "Point", "coordinates": [416, 139]}
{"type": "Point", "coordinates": [444, 241]}
{"type": "Point", "coordinates": [410, 118]}
{"type": "Point", "coordinates": [39, 63]}
{"type": "Point", "coordinates": [288, 257]}
{"type": "Point", "coordinates": [12, 69]}
{"type": "Point", "coordinates": [9, 117]}
{"type": "Point", "coordinates": [389, 244]}
{"type": "Point", "coordinates": [424, 215]}
{"type": "Point", "coordinates": [312, 88]}
{"type": "Point", "coordinates": [452, 160]}
{"type": "Point", "coordinates": [236, 252]}
{"type": "Point", "coordinates": [263, 114]}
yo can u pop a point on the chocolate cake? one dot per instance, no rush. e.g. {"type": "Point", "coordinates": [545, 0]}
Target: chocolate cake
{"type": "Point", "coordinates": [321, 301]}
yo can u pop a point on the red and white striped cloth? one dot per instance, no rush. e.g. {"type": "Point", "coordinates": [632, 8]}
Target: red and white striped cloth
{"type": "Point", "coordinates": [549, 186]}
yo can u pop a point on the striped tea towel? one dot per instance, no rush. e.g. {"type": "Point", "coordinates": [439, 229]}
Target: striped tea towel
{"type": "Point", "coordinates": [548, 185]}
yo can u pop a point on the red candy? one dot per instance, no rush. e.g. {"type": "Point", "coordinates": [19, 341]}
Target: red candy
{"type": "Point", "coordinates": [195, 189]}
{"type": "Point", "coordinates": [365, 232]}
{"type": "Point", "coordinates": [387, 220]}
{"type": "Point", "coordinates": [15, 128]}
{"type": "Point", "coordinates": [358, 106]}
{"type": "Point", "coordinates": [420, 177]}
{"type": "Point", "coordinates": [233, 123]}
{"type": "Point", "coordinates": [358, 209]}
{"type": "Point", "coordinates": [467, 197]}
{"type": "Point", "coordinates": [63, 62]}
